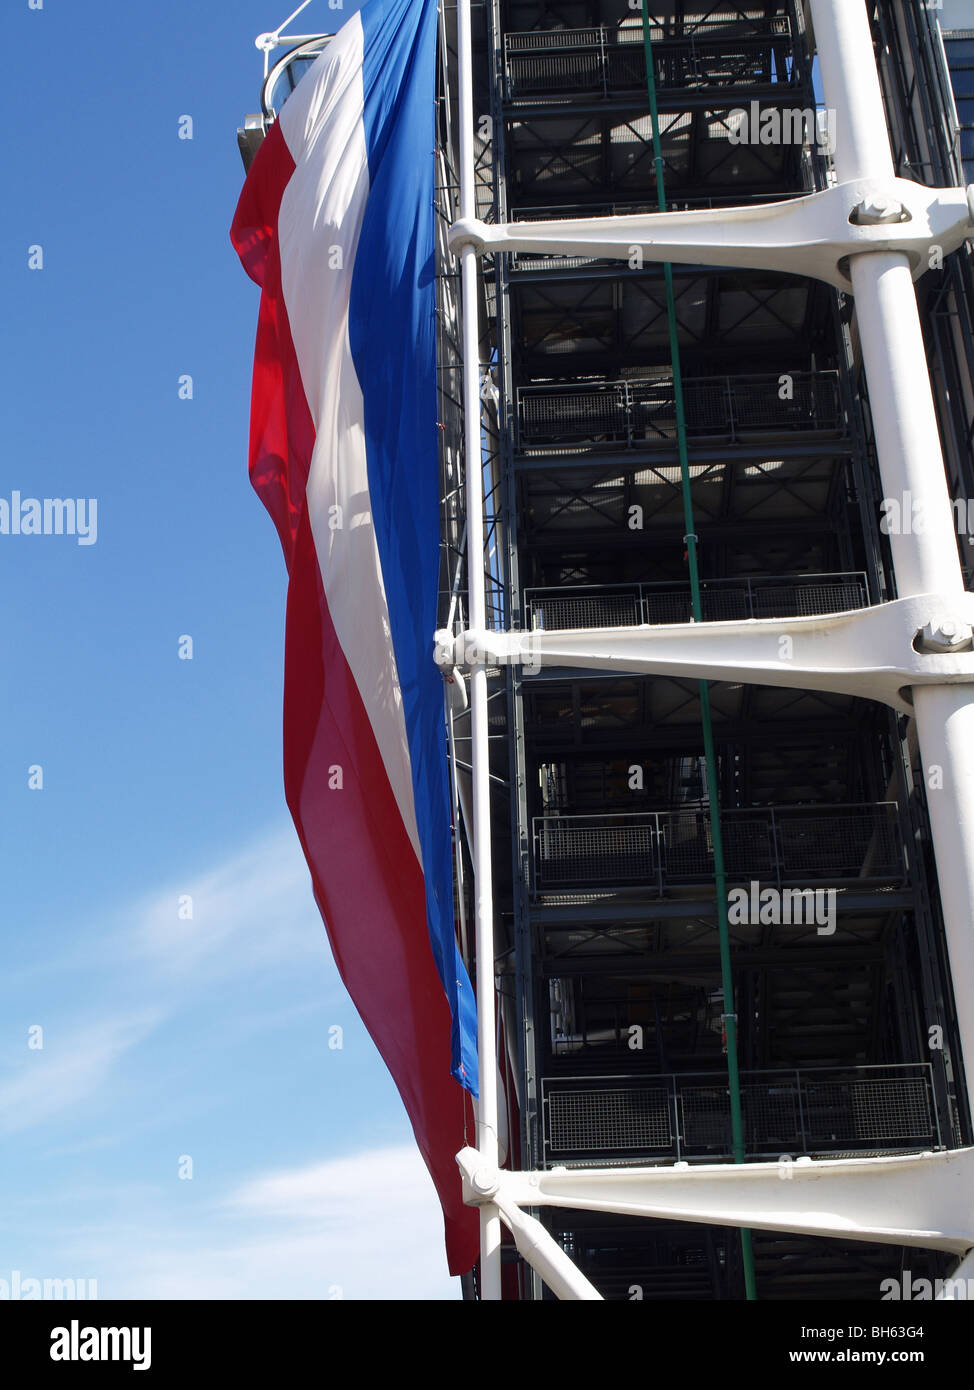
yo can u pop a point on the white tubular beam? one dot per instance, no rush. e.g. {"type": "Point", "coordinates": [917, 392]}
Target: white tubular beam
{"type": "Point", "coordinates": [912, 471]}
{"type": "Point", "coordinates": [868, 652]}
{"type": "Point", "coordinates": [801, 236]}
{"type": "Point", "coordinates": [913, 475]}
{"type": "Point", "coordinates": [482, 1185]}
{"type": "Point", "coordinates": [545, 1255]}
{"type": "Point", "coordinates": [490, 1226]}
{"type": "Point", "coordinates": [851, 86]}
{"type": "Point", "coordinates": [945, 730]}
{"type": "Point", "coordinates": [924, 1200]}
{"type": "Point", "coordinates": [907, 438]}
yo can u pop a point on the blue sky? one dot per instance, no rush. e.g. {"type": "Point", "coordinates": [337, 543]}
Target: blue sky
{"type": "Point", "coordinates": [163, 1038]}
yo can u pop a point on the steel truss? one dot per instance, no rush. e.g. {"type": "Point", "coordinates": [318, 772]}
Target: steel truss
{"type": "Point", "coordinates": [869, 234]}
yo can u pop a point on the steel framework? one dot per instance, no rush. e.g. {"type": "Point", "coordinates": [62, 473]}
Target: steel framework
{"type": "Point", "coordinates": [869, 234]}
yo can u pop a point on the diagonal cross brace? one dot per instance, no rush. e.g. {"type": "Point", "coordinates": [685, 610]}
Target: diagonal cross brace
{"type": "Point", "coordinates": [877, 653]}
{"type": "Point", "coordinates": [812, 235]}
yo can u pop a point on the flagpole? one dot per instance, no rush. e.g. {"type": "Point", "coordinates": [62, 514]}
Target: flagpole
{"type": "Point", "coordinates": [487, 1140]}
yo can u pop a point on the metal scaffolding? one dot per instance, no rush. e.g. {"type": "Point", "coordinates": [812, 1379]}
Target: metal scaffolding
{"type": "Point", "coordinates": [584, 443]}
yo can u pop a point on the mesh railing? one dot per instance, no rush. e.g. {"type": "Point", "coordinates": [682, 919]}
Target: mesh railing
{"type": "Point", "coordinates": [607, 1117]}
{"type": "Point", "coordinates": [858, 843]}
{"type": "Point", "coordinates": [814, 1110]}
{"type": "Point", "coordinates": [607, 62]}
{"type": "Point", "coordinates": [770, 845]}
{"type": "Point", "coordinates": [600, 851]}
{"type": "Point", "coordinates": [727, 600]}
{"type": "Point", "coordinates": [639, 413]}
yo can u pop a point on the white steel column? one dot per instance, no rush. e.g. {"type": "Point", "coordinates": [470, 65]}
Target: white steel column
{"type": "Point", "coordinates": [487, 1140]}
{"type": "Point", "coordinates": [912, 470]}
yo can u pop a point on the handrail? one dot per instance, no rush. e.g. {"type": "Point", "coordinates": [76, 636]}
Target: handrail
{"type": "Point", "coordinates": [792, 1099]}
{"type": "Point", "coordinates": [720, 406]}
{"type": "Point", "coordinates": [598, 58]}
{"type": "Point", "coordinates": [769, 845]}
{"type": "Point", "coordinates": [844, 591]}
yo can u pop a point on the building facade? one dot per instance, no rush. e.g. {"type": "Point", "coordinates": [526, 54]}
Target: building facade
{"type": "Point", "coordinates": [608, 960]}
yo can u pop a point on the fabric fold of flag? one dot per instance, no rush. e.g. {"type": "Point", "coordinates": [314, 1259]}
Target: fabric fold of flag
{"type": "Point", "coordinates": [335, 223]}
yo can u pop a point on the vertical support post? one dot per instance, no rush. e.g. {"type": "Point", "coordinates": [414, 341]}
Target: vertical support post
{"type": "Point", "coordinates": [487, 1140]}
{"type": "Point", "coordinates": [912, 472]}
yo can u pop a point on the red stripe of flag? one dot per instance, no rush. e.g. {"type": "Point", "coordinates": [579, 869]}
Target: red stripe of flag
{"type": "Point", "coordinates": [366, 877]}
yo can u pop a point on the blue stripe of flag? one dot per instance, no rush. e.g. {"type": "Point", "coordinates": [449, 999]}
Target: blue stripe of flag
{"type": "Point", "coordinates": [392, 339]}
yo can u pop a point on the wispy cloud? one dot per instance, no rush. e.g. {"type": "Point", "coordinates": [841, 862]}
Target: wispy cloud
{"type": "Point", "coordinates": [370, 1181]}
{"type": "Point", "coordinates": [254, 908]}
{"type": "Point", "coordinates": [68, 1070]}
{"type": "Point", "coordinates": [361, 1226]}
{"type": "Point", "coordinates": [366, 1226]}
{"type": "Point", "coordinates": [252, 911]}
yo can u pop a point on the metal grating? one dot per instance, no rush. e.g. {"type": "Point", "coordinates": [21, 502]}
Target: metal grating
{"type": "Point", "coordinates": [721, 600]}
{"type": "Point", "coordinates": [807, 600]}
{"type": "Point", "coordinates": [851, 845]}
{"type": "Point", "coordinates": [610, 62]}
{"type": "Point", "coordinates": [749, 846]}
{"type": "Point", "coordinates": [590, 1120]}
{"type": "Point", "coordinates": [815, 1110]}
{"type": "Point", "coordinates": [706, 1117]}
{"type": "Point", "coordinates": [653, 849]}
{"type": "Point", "coordinates": [602, 849]}
{"type": "Point", "coordinates": [869, 1111]}
{"type": "Point", "coordinates": [639, 412]}
{"type": "Point", "coordinates": [599, 610]}
{"type": "Point", "coordinates": [771, 1113]}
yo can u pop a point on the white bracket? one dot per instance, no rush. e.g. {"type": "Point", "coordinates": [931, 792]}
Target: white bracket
{"type": "Point", "coordinates": [266, 43]}
{"type": "Point", "coordinates": [812, 235]}
{"type": "Point", "coordinates": [877, 653]}
{"type": "Point", "coordinates": [924, 1200]}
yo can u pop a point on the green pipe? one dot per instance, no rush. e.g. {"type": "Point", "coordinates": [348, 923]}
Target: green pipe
{"type": "Point", "coordinates": [720, 878]}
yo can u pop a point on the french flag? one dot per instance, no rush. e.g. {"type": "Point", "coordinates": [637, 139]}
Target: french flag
{"type": "Point", "coordinates": [336, 225]}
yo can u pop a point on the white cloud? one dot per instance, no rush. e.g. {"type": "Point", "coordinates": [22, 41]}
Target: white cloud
{"type": "Point", "coordinates": [367, 1226]}
{"type": "Point", "coordinates": [69, 1069]}
{"type": "Point", "coordinates": [324, 1191]}
{"type": "Point", "coordinates": [254, 908]}
{"type": "Point", "coordinates": [252, 911]}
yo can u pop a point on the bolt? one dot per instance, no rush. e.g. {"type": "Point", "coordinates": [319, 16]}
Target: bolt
{"type": "Point", "coordinates": [876, 208]}
{"type": "Point", "coordinates": [484, 1181]}
{"type": "Point", "coordinates": [945, 634]}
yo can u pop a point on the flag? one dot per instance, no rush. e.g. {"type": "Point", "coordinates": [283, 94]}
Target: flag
{"type": "Point", "coordinates": [335, 223]}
